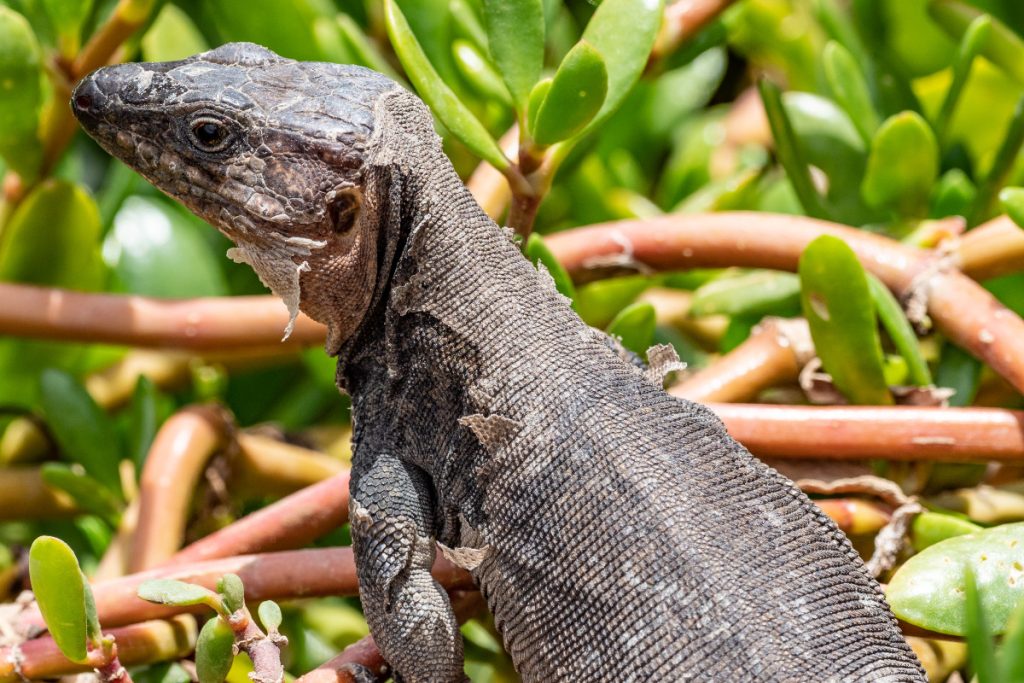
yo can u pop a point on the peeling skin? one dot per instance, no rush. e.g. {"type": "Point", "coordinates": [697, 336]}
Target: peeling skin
{"type": "Point", "coordinates": [275, 264]}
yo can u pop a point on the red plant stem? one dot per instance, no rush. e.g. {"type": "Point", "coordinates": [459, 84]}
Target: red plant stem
{"type": "Point", "coordinates": [152, 641]}
{"type": "Point", "coordinates": [173, 470]}
{"type": "Point", "coordinates": [207, 323]}
{"type": "Point", "coordinates": [891, 433]}
{"type": "Point", "coordinates": [285, 575]}
{"type": "Point", "coordinates": [966, 313]}
{"type": "Point", "coordinates": [263, 651]}
{"type": "Point", "coordinates": [767, 358]}
{"type": "Point", "coordinates": [684, 19]}
{"type": "Point", "coordinates": [992, 249]}
{"type": "Point", "coordinates": [291, 522]}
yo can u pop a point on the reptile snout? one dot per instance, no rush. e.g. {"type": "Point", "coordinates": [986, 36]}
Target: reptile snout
{"type": "Point", "coordinates": [85, 100]}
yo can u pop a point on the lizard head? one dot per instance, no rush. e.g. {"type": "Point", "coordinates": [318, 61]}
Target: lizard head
{"type": "Point", "coordinates": [270, 151]}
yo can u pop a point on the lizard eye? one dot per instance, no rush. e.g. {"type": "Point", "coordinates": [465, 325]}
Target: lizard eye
{"type": "Point", "coordinates": [209, 135]}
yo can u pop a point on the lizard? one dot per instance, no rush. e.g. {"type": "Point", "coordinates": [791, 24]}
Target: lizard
{"type": "Point", "coordinates": [616, 533]}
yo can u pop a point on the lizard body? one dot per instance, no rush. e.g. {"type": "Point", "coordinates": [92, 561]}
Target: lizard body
{"type": "Point", "coordinates": [617, 533]}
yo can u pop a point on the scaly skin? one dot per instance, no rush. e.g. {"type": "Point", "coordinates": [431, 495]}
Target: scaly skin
{"type": "Point", "coordinates": [617, 533]}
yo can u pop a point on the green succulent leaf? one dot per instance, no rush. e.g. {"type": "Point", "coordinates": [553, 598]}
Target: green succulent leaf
{"type": "Point", "coordinates": [574, 97]}
{"type": "Point", "coordinates": [519, 58]}
{"type": "Point", "coordinates": [84, 432]}
{"type": "Point", "coordinates": [850, 89]}
{"type": "Point", "coordinates": [537, 95]}
{"type": "Point", "coordinates": [478, 72]}
{"type": "Point", "coordinates": [538, 253]}
{"type": "Point", "coordinates": [60, 592]}
{"type": "Point", "coordinates": [445, 104]}
{"type": "Point", "coordinates": [623, 33]}
{"type": "Point", "coordinates": [837, 303]}
{"type": "Point", "coordinates": [172, 35]}
{"type": "Point", "coordinates": [902, 166]}
{"type": "Point", "coordinates": [178, 594]}
{"type": "Point", "coordinates": [231, 589]}
{"type": "Point", "coordinates": [930, 589]}
{"type": "Point", "coordinates": [1011, 199]}
{"type": "Point", "coordinates": [599, 302]}
{"type": "Point", "coordinates": [761, 292]}
{"type": "Point", "coordinates": [902, 334]}
{"type": "Point", "coordinates": [92, 619]}
{"type": "Point", "coordinates": [930, 528]}
{"type": "Point", "coordinates": [67, 17]}
{"type": "Point", "coordinates": [974, 37]}
{"type": "Point", "coordinates": [790, 152]}
{"type": "Point", "coordinates": [86, 491]}
{"type": "Point", "coordinates": [270, 615]}
{"type": "Point", "coordinates": [20, 94]}
{"type": "Point", "coordinates": [1011, 665]}
{"type": "Point", "coordinates": [1000, 45]}
{"type": "Point", "coordinates": [980, 648]}
{"type": "Point", "coordinates": [634, 326]}
{"type": "Point", "coordinates": [214, 651]}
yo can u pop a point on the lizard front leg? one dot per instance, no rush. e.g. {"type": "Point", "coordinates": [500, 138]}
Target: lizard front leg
{"type": "Point", "coordinates": [409, 613]}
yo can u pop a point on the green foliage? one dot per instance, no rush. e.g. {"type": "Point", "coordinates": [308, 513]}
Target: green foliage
{"type": "Point", "coordinates": [270, 615]}
{"type": "Point", "coordinates": [574, 96]}
{"type": "Point", "coordinates": [180, 594]}
{"type": "Point", "coordinates": [539, 254]}
{"type": "Point", "coordinates": [762, 292]}
{"type": "Point", "coordinates": [634, 327]}
{"type": "Point", "coordinates": [60, 591]}
{"type": "Point", "coordinates": [232, 592]}
{"type": "Point", "coordinates": [902, 166]}
{"type": "Point", "coordinates": [838, 305]}
{"type": "Point", "coordinates": [214, 651]}
{"type": "Point", "coordinates": [20, 94]}
{"type": "Point", "coordinates": [520, 60]}
{"type": "Point", "coordinates": [931, 588]}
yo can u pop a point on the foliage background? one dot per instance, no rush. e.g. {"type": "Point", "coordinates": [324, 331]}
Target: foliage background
{"type": "Point", "coordinates": [901, 117]}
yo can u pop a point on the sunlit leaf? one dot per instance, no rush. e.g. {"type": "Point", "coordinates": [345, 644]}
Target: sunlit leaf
{"type": "Point", "coordinates": [900, 332]}
{"type": "Point", "coordinates": [1001, 45]}
{"type": "Point", "coordinates": [177, 593]}
{"type": "Point", "coordinates": [753, 293]}
{"type": "Point", "coordinates": [930, 528]}
{"type": "Point", "coordinates": [623, 33]}
{"type": "Point", "coordinates": [980, 647]}
{"type": "Point", "coordinates": [478, 72]}
{"type": "Point", "coordinates": [538, 252]}
{"type": "Point", "coordinates": [598, 302]}
{"type": "Point", "coordinates": [837, 303]}
{"type": "Point", "coordinates": [850, 89]}
{"type": "Point", "coordinates": [536, 99]}
{"type": "Point", "coordinates": [929, 589]}
{"type": "Point", "coordinates": [20, 94]}
{"type": "Point", "coordinates": [270, 615]}
{"type": "Point", "coordinates": [284, 26]}
{"type": "Point", "coordinates": [67, 17]}
{"type": "Point", "coordinates": [1002, 166]}
{"type": "Point", "coordinates": [903, 165]}
{"type": "Point", "coordinates": [84, 432]}
{"type": "Point", "coordinates": [634, 326]}
{"type": "Point", "coordinates": [445, 104]}
{"type": "Point", "coordinates": [515, 35]}
{"type": "Point", "coordinates": [214, 653]}
{"type": "Point", "coordinates": [1012, 201]}
{"type": "Point", "coordinates": [59, 590]}
{"type": "Point", "coordinates": [574, 97]}
{"type": "Point", "coordinates": [974, 37]}
{"type": "Point", "coordinates": [88, 493]}
{"type": "Point", "coordinates": [1011, 665]}
{"type": "Point", "coordinates": [172, 36]}
{"type": "Point", "coordinates": [231, 589]}
{"type": "Point", "coordinates": [153, 242]}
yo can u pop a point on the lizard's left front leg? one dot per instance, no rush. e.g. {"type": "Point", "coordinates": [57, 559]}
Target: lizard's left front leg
{"type": "Point", "coordinates": [392, 536]}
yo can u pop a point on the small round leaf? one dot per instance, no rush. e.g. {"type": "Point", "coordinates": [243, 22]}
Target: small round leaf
{"type": "Point", "coordinates": [177, 593]}
{"type": "Point", "coordinates": [270, 615]}
{"type": "Point", "coordinates": [231, 589]}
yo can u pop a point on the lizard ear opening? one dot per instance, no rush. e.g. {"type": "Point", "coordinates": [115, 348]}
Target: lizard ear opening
{"type": "Point", "coordinates": [344, 209]}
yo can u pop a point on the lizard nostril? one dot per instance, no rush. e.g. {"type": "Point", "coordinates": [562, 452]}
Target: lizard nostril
{"type": "Point", "coordinates": [83, 102]}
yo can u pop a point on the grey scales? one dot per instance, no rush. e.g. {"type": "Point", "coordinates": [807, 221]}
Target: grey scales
{"type": "Point", "coordinates": [617, 533]}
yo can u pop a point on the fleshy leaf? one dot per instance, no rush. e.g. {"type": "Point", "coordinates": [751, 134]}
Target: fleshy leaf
{"type": "Point", "coordinates": [444, 103]}
{"type": "Point", "coordinates": [20, 94]}
{"type": "Point", "coordinates": [850, 89]}
{"type": "Point", "coordinates": [575, 95]}
{"type": "Point", "coordinates": [930, 528]}
{"type": "Point", "coordinates": [1001, 45]}
{"type": "Point", "coordinates": [60, 591]}
{"type": "Point", "coordinates": [837, 303]}
{"type": "Point", "coordinates": [173, 35]}
{"type": "Point", "coordinates": [634, 326]}
{"type": "Point", "coordinates": [177, 593]}
{"type": "Point", "coordinates": [929, 589]}
{"type": "Point", "coordinates": [270, 615]}
{"type": "Point", "coordinates": [231, 589]}
{"type": "Point", "coordinates": [87, 492]}
{"type": "Point", "coordinates": [1012, 201]}
{"type": "Point", "coordinates": [623, 33]}
{"type": "Point", "coordinates": [67, 17]}
{"type": "Point", "coordinates": [478, 72]}
{"type": "Point", "coordinates": [759, 292]}
{"type": "Point", "coordinates": [519, 58]}
{"type": "Point", "coordinates": [902, 334]}
{"type": "Point", "coordinates": [902, 166]}
{"type": "Point", "coordinates": [214, 653]}
{"type": "Point", "coordinates": [84, 432]}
